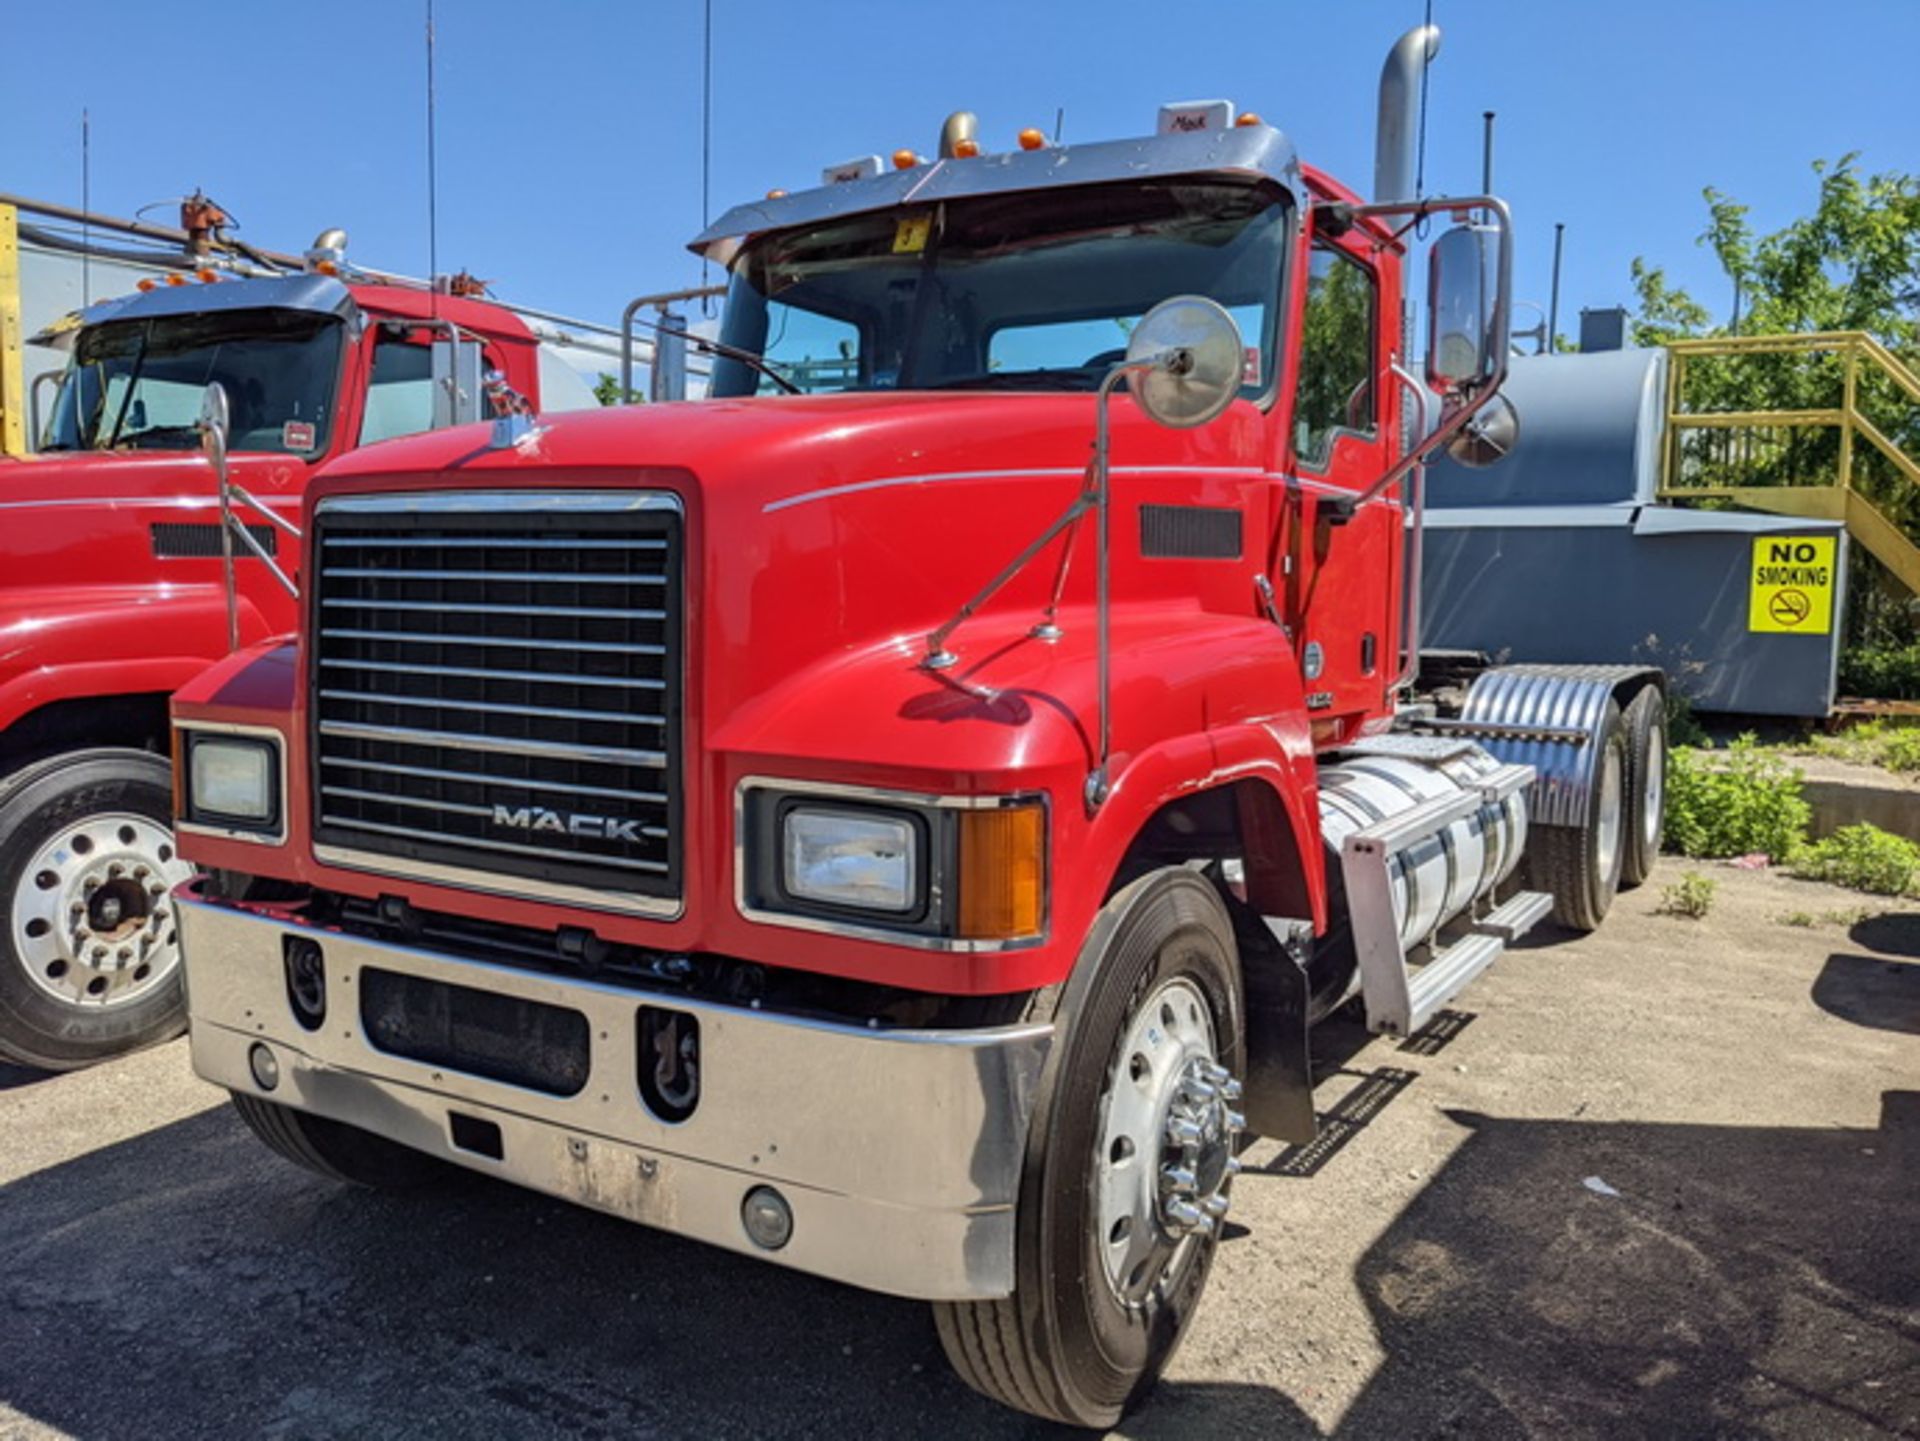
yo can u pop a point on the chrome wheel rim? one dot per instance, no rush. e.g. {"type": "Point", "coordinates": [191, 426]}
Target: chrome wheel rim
{"type": "Point", "coordinates": [92, 912]}
{"type": "Point", "coordinates": [1166, 1140]}
{"type": "Point", "coordinates": [1607, 822]}
{"type": "Point", "coordinates": [1653, 792]}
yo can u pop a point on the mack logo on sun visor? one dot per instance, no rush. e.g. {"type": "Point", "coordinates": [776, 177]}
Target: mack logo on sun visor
{"type": "Point", "coordinates": [566, 823]}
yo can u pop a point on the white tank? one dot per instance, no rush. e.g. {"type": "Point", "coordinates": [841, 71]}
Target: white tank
{"type": "Point", "coordinates": [1437, 878]}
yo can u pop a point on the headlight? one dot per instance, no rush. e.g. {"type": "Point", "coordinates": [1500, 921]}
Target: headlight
{"type": "Point", "coordinates": [955, 873]}
{"type": "Point", "coordinates": [843, 858]}
{"type": "Point", "coordinates": [233, 782]}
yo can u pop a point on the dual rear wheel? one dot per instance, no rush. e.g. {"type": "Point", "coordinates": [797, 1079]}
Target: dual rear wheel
{"type": "Point", "coordinates": [1617, 840]}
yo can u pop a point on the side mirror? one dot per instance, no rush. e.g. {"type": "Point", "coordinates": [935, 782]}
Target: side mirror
{"type": "Point", "coordinates": [1488, 437]}
{"type": "Point", "coordinates": [1185, 361]}
{"type": "Point", "coordinates": [1468, 327]}
{"type": "Point", "coordinates": [213, 425]}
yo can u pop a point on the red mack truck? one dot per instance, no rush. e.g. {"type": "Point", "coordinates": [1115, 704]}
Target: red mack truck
{"type": "Point", "coordinates": [111, 588]}
{"type": "Point", "coordinates": [901, 817]}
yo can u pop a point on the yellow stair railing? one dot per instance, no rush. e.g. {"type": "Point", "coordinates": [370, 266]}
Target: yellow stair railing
{"type": "Point", "coordinates": [1805, 425]}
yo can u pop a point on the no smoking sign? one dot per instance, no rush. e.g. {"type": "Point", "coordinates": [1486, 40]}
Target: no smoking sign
{"type": "Point", "coordinates": [1793, 585]}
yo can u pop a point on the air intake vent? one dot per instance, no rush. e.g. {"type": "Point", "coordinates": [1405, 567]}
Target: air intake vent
{"type": "Point", "coordinates": [496, 690]}
{"type": "Point", "coordinates": [1189, 532]}
{"type": "Point", "coordinates": [185, 540]}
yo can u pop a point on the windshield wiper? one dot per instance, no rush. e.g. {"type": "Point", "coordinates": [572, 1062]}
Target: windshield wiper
{"type": "Point", "coordinates": [1045, 379]}
{"type": "Point", "coordinates": [170, 431]}
{"type": "Point", "coordinates": [734, 352]}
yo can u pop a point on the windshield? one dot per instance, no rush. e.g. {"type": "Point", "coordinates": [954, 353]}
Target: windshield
{"type": "Point", "coordinates": [1022, 291]}
{"type": "Point", "coordinates": [137, 384]}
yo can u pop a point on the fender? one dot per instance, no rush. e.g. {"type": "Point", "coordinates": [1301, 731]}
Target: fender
{"type": "Point", "coordinates": [66, 645]}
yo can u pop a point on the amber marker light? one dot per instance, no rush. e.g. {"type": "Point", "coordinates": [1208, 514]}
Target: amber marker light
{"type": "Point", "coordinates": [145, 284]}
{"type": "Point", "coordinates": [905, 160]}
{"type": "Point", "coordinates": [1003, 868]}
{"type": "Point", "coordinates": [176, 279]}
{"type": "Point", "coordinates": [1031, 139]}
{"type": "Point", "coordinates": [1247, 117]}
{"type": "Point", "coordinates": [776, 194]}
{"type": "Point", "coordinates": [965, 149]}
{"type": "Point", "coordinates": [207, 274]}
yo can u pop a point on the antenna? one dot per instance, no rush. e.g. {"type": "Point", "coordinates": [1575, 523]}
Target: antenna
{"type": "Point", "coordinates": [86, 207]}
{"type": "Point", "coordinates": [1486, 152]}
{"type": "Point", "coordinates": [1426, 65]}
{"type": "Point", "coordinates": [706, 144]}
{"type": "Point", "coordinates": [1059, 123]}
{"type": "Point", "coordinates": [433, 176]}
{"type": "Point", "coordinates": [1553, 303]}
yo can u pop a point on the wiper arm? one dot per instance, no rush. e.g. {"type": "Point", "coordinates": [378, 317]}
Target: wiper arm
{"type": "Point", "coordinates": [1016, 379]}
{"type": "Point", "coordinates": [152, 431]}
{"type": "Point", "coordinates": [733, 352]}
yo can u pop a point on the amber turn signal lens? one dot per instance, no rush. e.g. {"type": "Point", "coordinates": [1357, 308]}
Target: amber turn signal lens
{"type": "Point", "coordinates": [1247, 117]}
{"type": "Point", "coordinates": [776, 194]}
{"type": "Point", "coordinates": [145, 284]}
{"type": "Point", "coordinates": [1031, 139]}
{"type": "Point", "coordinates": [1003, 867]}
{"type": "Point", "coordinates": [905, 160]}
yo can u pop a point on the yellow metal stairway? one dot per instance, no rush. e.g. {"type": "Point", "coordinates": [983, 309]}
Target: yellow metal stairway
{"type": "Point", "coordinates": [1818, 425]}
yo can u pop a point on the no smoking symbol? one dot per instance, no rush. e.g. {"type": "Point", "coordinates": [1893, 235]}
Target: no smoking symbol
{"type": "Point", "coordinates": [1789, 607]}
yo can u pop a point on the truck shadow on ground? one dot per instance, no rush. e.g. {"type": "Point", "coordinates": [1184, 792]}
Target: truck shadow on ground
{"type": "Point", "coordinates": [1746, 1281]}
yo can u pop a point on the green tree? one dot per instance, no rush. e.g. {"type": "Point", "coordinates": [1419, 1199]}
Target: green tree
{"type": "Point", "coordinates": [606, 390]}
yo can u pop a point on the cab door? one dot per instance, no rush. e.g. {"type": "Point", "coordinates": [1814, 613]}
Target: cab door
{"type": "Point", "coordinates": [1340, 570]}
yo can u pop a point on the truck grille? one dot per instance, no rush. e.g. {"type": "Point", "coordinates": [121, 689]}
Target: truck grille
{"type": "Point", "coordinates": [496, 688]}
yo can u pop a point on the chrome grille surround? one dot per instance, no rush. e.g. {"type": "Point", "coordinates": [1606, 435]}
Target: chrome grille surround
{"type": "Point", "coordinates": [494, 683]}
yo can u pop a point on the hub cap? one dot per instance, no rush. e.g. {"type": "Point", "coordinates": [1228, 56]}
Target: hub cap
{"type": "Point", "coordinates": [92, 916]}
{"type": "Point", "coordinates": [1653, 791]}
{"type": "Point", "coordinates": [1167, 1137]}
{"type": "Point", "coordinates": [1606, 850]}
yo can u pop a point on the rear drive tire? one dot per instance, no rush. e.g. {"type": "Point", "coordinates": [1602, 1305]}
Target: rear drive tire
{"type": "Point", "coordinates": [89, 953]}
{"type": "Point", "coordinates": [338, 1151]}
{"type": "Point", "coordinates": [1646, 727]}
{"type": "Point", "coordinates": [1117, 1219]}
{"type": "Point", "coordinates": [1580, 865]}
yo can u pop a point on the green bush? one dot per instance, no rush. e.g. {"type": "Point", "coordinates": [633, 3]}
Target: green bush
{"type": "Point", "coordinates": [1885, 742]}
{"type": "Point", "coordinates": [1862, 858]}
{"type": "Point", "coordinates": [1682, 728]}
{"type": "Point", "coordinates": [1901, 752]}
{"type": "Point", "coordinates": [1750, 803]}
{"type": "Point", "coordinates": [1881, 672]}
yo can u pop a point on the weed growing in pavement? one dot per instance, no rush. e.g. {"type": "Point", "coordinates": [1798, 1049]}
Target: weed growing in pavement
{"type": "Point", "coordinates": [1690, 896]}
{"type": "Point", "coordinates": [1750, 803]}
{"type": "Point", "coordinates": [1805, 920]}
{"type": "Point", "coordinates": [1862, 858]}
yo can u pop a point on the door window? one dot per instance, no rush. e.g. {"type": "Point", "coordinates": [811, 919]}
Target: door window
{"type": "Point", "coordinates": [1337, 370]}
{"type": "Point", "coordinates": [400, 392]}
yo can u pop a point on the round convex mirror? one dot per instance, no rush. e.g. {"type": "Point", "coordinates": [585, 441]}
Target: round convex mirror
{"type": "Point", "coordinates": [213, 422]}
{"type": "Point", "coordinates": [1489, 437]}
{"type": "Point", "coordinates": [1193, 350]}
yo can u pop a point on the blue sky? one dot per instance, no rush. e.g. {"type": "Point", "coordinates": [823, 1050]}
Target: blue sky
{"type": "Point", "coordinates": [569, 132]}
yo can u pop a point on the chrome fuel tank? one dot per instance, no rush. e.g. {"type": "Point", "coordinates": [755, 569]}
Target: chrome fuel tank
{"type": "Point", "coordinates": [1435, 878]}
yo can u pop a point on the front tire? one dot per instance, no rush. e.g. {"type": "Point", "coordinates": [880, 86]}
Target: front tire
{"type": "Point", "coordinates": [1129, 1160]}
{"type": "Point", "coordinates": [89, 953]}
{"type": "Point", "coordinates": [337, 1151]}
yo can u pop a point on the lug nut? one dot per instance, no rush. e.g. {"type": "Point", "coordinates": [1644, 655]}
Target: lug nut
{"type": "Point", "coordinates": [93, 883]}
{"type": "Point", "coordinates": [1235, 1165]}
{"type": "Point", "coordinates": [1236, 1121]}
{"type": "Point", "coordinates": [1183, 1133]}
{"type": "Point", "coordinates": [116, 869]}
{"type": "Point", "coordinates": [140, 873]}
{"type": "Point", "coordinates": [1178, 1178]}
{"type": "Point", "coordinates": [1216, 1206]}
{"type": "Point", "coordinates": [1185, 1213]}
{"type": "Point", "coordinates": [1199, 1093]}
{"type": "Point", "coordinates": [1231, 1090]}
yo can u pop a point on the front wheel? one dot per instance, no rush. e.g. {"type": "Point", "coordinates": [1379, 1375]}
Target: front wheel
{"type": "Point", "coordinates": [1129, 1162]}
{"type": "Point", "coordinates": [89, 953]}
{"type": "Point", "coordinates": [337, 1151]}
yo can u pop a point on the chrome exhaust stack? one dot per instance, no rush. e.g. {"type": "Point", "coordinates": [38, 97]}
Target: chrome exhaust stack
{"type": "Point", "coordinates": [1397, 130]}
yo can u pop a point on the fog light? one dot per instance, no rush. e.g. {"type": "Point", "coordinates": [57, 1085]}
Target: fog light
{"type": "Point", "coordinates": [266, 1070]}
{"type": "Point", "coordinates": [768, 1218]}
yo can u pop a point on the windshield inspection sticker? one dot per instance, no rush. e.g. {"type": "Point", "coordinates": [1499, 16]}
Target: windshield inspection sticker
{"type": "Point", "coordinates": [296, 435]}
{"type": "Point", "coordinates": [1793, 581]}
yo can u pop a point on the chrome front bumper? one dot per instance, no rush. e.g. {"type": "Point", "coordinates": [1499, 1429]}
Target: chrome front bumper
{"type": "Point", "coordinates": [898, 1151]}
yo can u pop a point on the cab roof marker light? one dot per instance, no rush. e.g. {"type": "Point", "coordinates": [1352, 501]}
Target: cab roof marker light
{"type": "Point", "coordinates": [904, 159]}
{"type": "Point", "coordinates": [1033, 139]}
